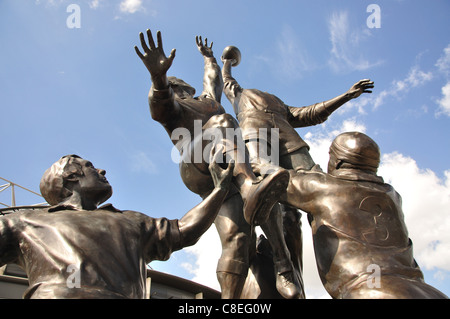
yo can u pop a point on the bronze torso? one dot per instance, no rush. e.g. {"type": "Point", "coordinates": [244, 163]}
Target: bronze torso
{"type": "Point", "coordinates": [109, 248]}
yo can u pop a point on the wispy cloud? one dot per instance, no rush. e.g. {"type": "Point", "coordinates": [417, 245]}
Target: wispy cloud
{"type": "Point", "coordinates": [346, 42]}
{"type": "Point", "coordinates": [294, 59]}
{"type": "Point", "coordinates": [50, 2]}
{"type": "Point", "coordinates": [397, 89]}
{"type": "Point", "coordinates": [94, 4]}
{"type": "Point", "coordinates": [443, 65]}
{"type": "Point", "coordinates": [288, 57]}
{"type": "Point", "coordinates": [415, 78]}
{"type": "Point", "coordinates": [360, 104]}
{"type": "Point", "coordinates": [141, 162]}
{"type": "Point", "coordinates": [131, 6]}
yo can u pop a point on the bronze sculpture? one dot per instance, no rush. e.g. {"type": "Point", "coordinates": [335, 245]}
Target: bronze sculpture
{"type": "Point", "coordinates": [107, 248]}
{"type": "Point", "coordinates": [255, 110]}
{"type": "Point", "coordinates": [172, 103]}
{"type": "Point", "coordinates": [360, 238]}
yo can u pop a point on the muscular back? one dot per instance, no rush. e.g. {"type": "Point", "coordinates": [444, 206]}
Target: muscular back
{"type": "Point", "coordinates": [366, 211]}
{"type": "Point", "coordinates": [356, 224]}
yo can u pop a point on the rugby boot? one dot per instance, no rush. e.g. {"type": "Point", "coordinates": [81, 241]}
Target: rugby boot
{"type": "Point", "coordinates": [287, 287]}
{"type": "Point", "coordinates": [263, 195]}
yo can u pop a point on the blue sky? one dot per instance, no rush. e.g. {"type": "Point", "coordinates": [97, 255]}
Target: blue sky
{"type": "Point", "coordinates": [84, 91]}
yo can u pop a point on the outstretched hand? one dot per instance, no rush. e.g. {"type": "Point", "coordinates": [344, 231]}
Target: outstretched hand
{"type": "Point", "coordinates": [221, 177]}
{"type": "Point", "coordinates": [154, 58]}
{"type": "Point", "coordinates": [204, 49]}
{"type": "Point", "coordinates": [362, 86]}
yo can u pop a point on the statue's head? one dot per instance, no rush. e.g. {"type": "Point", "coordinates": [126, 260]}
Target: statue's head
{"type": "Point", "coordinates": [181, 88]}
{"type": "Point", "coordinates": [354, 150]}
{"type": "Point", "coordinates": [72, 173]}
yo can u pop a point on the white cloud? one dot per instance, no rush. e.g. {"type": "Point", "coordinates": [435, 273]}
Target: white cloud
{"type": "Point", "coordinates": [426, 202]}
{"type": "Point", "coordinates": [443, 63]}
{"type": "Point", "coordinates": [444, 103]}
{"type": "Point", "coordinates": [345, 41]}
{"type": "Point", "coordinates": [94, 4]}
{"type": "Point", "coordinates": [206, 252]}
{"type": "Point", "coordinates": [50, 2]}
{"type": "Point", "coordinates": [351, 125]}
{"type": "Point", "coordinates": [359, 104]}
{"type": "Point", "coordinates": [131, 6]}
{"type": "Point", "coordinates": [415, 78]}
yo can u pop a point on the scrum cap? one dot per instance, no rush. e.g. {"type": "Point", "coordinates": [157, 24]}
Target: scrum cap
{"type": "Point", "coordinates": [356, 148]}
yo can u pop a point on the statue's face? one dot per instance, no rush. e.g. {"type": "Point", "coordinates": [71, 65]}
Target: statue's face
{"type": "Point", "coordinates": [93, 182]}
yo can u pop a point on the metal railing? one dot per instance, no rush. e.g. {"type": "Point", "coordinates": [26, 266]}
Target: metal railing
{"type": "Point", "coordinates": [12, 186]}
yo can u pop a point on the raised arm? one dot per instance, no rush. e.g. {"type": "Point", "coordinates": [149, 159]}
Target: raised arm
{"type": "Point", "coordinates": [226, 70]}
{"type": "Point", "coordinates": [161, 97]}
{"type": "Point", "coordinates": [360, 87]}
{"type": "Point", "coordinates": [231, 87]}
{"type": "Point", "coordinates": [319, 112]}
{"type": "Point", "coordinates": [155, 60]}
{"type": "Point", "coordinates": [212, 78]}
{"type": "Point", "coordinates": [199, 219]}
